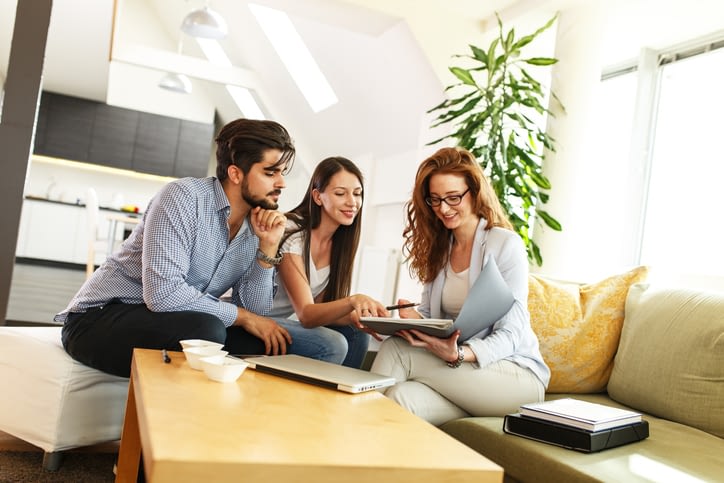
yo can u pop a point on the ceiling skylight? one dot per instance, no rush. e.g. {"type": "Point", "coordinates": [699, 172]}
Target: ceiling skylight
{"type": "Point", "coordinates": [296, 57]}
{"type": "Point", "coordinates": [241, 95]}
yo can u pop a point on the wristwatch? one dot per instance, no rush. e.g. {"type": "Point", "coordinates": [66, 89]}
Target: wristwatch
{"type": "Point", "coordinates": [260, 255]}
{"type": "Point", "coordinates": [459, 361]}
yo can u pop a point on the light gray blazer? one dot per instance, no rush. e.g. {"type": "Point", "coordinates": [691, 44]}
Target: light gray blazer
{"type": "Point", "coordinates": [511, 338]}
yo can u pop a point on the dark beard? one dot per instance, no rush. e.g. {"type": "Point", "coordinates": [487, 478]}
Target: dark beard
{"type": "Point", "coordinates": [254, 202]}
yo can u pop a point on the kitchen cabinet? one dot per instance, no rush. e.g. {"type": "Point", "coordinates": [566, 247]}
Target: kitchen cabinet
{"type": "Point", "coordinates": [113, 137]}
{"type": "Point", "coordinates": [156, 142]}
{"type": "Point", "coordinates": [57, 232]}
{"type": "Point", "coordinates": [68, 126]}
{"type": "Point", "coordinates": [50, 231]}
{"type": "Point", "coordinates": [94, 132]}
{"type": "Point", "coordinates": [194, 149]}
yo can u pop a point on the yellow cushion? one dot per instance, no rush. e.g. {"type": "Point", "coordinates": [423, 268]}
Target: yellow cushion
{"type": "Point", "coordinates": [578, 327]}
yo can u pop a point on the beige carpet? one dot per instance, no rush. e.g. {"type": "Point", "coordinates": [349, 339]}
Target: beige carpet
{"type": "Point", "coordinates": [21, 462]}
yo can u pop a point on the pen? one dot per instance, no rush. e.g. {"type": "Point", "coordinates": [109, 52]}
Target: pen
{"type": "Point", "coordinates": [402, 306]}
{"type": "Point", "coordinates": [165, 356]}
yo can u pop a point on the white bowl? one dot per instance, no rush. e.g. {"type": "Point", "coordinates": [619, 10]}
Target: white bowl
{"type": "Point", "coordinates": [193, 354]}
{"type": "Point", "coordinates": [224, 369]}
{"type": "Point", "coordinates": [185, 344]}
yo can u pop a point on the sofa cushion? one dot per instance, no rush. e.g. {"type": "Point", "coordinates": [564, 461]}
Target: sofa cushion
{"type": "Point", "coordinates": [672, 452]}
{"type": "Point", "coordinates": [578, 327]}
{"type": "Point", "coordinates": [670, 361]}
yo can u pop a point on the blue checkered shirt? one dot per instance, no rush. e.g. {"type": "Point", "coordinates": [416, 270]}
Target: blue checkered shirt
{"type": "Point", "coordinates": [179, 258]}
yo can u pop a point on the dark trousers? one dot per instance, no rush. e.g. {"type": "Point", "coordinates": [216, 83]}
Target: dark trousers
{"type": "Point", "coordinates": [104, 338]}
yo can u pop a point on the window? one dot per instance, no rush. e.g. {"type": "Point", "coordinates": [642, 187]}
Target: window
{"type": "Point", "coordinates": [683, 227]}
{"type": "Point", "coordinates": [671, 211]}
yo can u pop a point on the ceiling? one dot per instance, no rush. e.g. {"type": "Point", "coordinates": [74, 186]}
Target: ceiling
{"type": "Point", "coordinates": [386, 59]}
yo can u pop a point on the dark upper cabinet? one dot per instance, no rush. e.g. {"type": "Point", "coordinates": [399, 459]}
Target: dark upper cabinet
{"type": "Point", "coordinates": [194, 149]}
{"type": "Point", "coordinates": [93, 132]}
{"type": "Point", "coordinates": [156, 142]}
{"type": "Point", "coordinates": [41, 126]}
{"type": "Point", "coordinates": [114, 136]}
{"type": "Point", "coordinates": [68, 126]}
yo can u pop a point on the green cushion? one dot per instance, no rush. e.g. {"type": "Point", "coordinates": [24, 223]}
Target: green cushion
{"type": "Point", "coordinates": [670, 360]}
{"type": "Point", "coordinates": [672, 450]}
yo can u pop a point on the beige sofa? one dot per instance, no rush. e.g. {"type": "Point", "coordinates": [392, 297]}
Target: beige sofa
{"type": "Point", "coordinates": [669, 365]}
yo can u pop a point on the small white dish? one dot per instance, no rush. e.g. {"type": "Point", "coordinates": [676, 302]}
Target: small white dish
{"type": "Point", "coordinates": [185, 344]}
{"type": "Point", "coordinates": [194, 354]}
{"type": "Point", "coordinates": [225, 369]}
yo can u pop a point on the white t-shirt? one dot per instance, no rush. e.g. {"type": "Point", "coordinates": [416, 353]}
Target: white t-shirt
{"type": "Point", "coordinates": [318, 278]}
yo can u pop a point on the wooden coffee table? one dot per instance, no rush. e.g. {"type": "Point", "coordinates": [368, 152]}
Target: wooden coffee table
{"type": "Point", "coordinates": [268, 429]}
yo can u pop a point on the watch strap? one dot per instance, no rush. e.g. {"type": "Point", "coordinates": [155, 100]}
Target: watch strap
{"type": "Point", "coordinates": [459, 361]}
{"type": "Point", "coordinates": [260, 255]}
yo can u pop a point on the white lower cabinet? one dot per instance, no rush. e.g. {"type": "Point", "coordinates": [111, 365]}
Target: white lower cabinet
{"type": "Point", "coordinates": [57, 232]}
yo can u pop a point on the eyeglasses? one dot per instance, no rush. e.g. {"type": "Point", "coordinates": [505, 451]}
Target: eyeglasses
{"type": "Point", "coordinates": [452, 200]}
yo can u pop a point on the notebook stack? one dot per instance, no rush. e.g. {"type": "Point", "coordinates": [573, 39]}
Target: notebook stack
{"type": "Point", "coordinates": [575, 424]}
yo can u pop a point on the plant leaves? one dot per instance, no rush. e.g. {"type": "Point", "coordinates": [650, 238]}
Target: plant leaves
{"type": "Point", "coordinates": [549, 220]}
{"type": "Point", "coordinates": [499, 115]}
{"type": "Point", "coordinates": [541, 61]}
{"type": "Point", "coordinates": [464, 75]}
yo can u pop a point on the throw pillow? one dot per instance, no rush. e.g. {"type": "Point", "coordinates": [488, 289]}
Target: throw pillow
{"type": "Point", "coordinates": [578, 328]}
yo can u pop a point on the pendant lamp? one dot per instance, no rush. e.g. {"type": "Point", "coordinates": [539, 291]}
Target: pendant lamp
{"type": "Point", "coordinates": [176, 83]}
{"type": "Point", "coordinates": [205, 23]}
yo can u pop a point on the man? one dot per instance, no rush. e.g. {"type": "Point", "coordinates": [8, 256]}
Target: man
{"type": "Point", "coordinates": [198, 238]}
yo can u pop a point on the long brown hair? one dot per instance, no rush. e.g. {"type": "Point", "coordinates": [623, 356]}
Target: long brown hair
{"type": "Point", "coordinates": [308, 215]}
{"type": "Point", "coordinates": [427, 241]}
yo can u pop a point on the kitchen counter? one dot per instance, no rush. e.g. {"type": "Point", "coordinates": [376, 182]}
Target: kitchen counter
{"type": "Point", "coordinates": [80, 205]}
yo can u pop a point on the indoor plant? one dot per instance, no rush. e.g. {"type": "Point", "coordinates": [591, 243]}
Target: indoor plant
{"type": "Point", "coordinates": [499, 115]}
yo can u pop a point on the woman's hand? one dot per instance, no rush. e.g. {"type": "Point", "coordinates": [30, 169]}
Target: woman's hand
{"type": "Point", "coordinates": [364, 306]}
{"type": "Point", "coordinates": [408, 313]}
{"type": "Point", "coordinates": [445, 349]}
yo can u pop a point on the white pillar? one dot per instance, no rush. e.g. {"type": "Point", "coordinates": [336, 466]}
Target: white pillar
{"type": "Point", "coordinates": [575, 80]}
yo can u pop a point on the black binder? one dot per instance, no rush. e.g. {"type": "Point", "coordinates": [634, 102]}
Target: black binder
{"type": "Point", "coordinates": [574, 438]}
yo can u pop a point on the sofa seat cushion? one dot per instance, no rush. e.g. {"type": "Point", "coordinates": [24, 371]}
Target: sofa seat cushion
{"type": "Point", "coordinates": [670, 361]}
{"type": "Point", "coordinates": [51, 400]}
{"type": "Point", "coordinates": [672, 452]}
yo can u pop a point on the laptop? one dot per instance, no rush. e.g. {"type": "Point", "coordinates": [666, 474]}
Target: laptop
{"type": "Point", "coordinates": [489, 299]}
{"type": "Point", "coordinates": [320, 373]}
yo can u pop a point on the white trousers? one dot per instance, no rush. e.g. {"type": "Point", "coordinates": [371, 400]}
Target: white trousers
{"type": "Point", "coordinates": [427, 387]}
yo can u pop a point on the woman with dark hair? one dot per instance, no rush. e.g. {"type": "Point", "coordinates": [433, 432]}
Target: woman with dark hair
{"type": "Point", "coordinates": [320, 244]}
{"type": "Point", "coordinates": [455, 225]}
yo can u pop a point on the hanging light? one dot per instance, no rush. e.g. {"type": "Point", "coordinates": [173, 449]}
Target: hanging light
{"type": "Point", "coordinates": [206, 23]}
{"type": "Point", "coordinates": [176, 83]}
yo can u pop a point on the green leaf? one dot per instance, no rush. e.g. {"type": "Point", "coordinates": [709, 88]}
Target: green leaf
{"type": "Point", "coordinates": [463, 75]}
{"type": "Point", "coordinates": [479, 54]}
{"type": "Point", "coordinates": [549, 220]}
{"type": "Point", "coordinates": [541, 61]}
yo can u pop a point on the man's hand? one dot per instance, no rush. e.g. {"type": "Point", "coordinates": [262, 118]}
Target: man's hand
{"type": "Point", "coordinates": [269, 227]}
{"type": "Point", "coordinates": [275, 337]}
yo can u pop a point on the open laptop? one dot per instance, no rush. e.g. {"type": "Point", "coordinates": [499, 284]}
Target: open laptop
{"type": "Point", "coordinates": [320, 373]}
{"type": "Point", "coordinates": [489, 299]}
